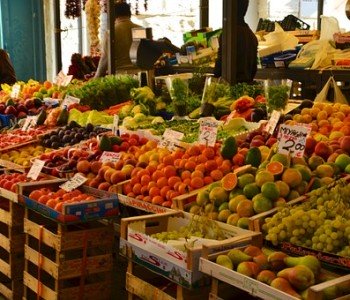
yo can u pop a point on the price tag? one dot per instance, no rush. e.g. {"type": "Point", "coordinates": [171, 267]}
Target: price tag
{"type": "Point", "coordinates": [29, 122]}
{"type": "Point", "coordinates": [271, 125]}
{"type": "Point", "coordinates": [208, 130]}
{"type": "Point", "coordinates": [63, 79]}
{"type": "Point", "coordinates": [68, 100]}
{"type": "Point", "coordinates": [115, 127]}
{"type": "Point", "coordinates": [167, 143]}
{"type": "Point", "coordinates": [50, 101]}
{"type": "Point", "coordinates": [110, 156]}
{"type": "Point", "coordinates": [15, 90]}
{"type": "Point", "coordinates": [292, 140]}
{"type": "Point", "coordinates": [36, 169]}
{"type": "Point", "coordinates": [173, 134]}
{"type": "Point", "coordinates": [76, 181]}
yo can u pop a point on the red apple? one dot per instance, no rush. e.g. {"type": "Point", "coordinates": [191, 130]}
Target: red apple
{"type": "Point", "coordinates": [322, 149]}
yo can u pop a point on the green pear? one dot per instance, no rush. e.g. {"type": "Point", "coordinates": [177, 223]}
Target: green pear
{"type": "Point", "coordinates": [225, 261]}
{"type": "Point", "coordinates": [309, 260]}
{"type": "Point", "coordinates": [300, 276]}
{"type": "Point", "coordinates": [237, 256]}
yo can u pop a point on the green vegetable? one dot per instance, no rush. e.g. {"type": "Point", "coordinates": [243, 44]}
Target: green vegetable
{"type": "Point", "coordinates": [101, 93]}
{"type": "Point", "coordinates": [244, 89]}
{"type": "Point", "coordinates": [179, 91]}
{"type": "Point", "coordinates": [277, 98]}
{"type": "Point", "coordinates": [144, 96]}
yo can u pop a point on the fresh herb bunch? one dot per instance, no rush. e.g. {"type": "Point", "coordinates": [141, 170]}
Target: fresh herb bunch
{"type": "Point", "coordinates": [179, 91]}
{"type": "Point", "coordinates": [278, 97]}
{"type": "Point", "coordinates": [244, 89]}
{"type": "Point", "coordinates": [216, 90]}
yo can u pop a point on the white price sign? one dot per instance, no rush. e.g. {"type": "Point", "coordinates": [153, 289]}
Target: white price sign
{"type": "Point", "coordinates": [36, 169]}
{"type": "Point", "coordinates": [208, 130]}
{"type": "Point", "coordinates": [292, 139]}
{"type": "Point", "coordinates": [15, 90]}
{"type": "Point", "coordinates": [76, 181]}
{"type": "Point", "coordinates": [115, 124]}
{"type": "Point", "coordinates": [63, 79]}
{"type": "Point", "coordinates": [68, 100]}
{"type": "Point", "coordinates": [271, 125]}
{"type": "Point", "coordinates": [110, 156]}
{"type": "Point", "coordinates": [167, 143]}
{"type": "Point", "coordinates": [29, 122]}
{"type": "Point", "coordinates": [173, 134]}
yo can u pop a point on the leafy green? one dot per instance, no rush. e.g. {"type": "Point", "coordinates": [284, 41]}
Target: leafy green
{"type": "Point", "coordinates": [277, 98]}
{"type": "Point", "coordinates": [101, 93]}
{"type": "Point", "coordinates": [244, 89]}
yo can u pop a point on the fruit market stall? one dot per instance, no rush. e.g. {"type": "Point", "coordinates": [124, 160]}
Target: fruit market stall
{"type": "Point", "coordinates": [229, 156]}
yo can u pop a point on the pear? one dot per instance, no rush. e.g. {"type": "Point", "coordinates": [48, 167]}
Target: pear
{"type": "Point", "coordinates": [262, 262]}
{"type": "Point", "coordinates": [237, 256]}
{"type": "Point", "coordinates": [283, 285]}
{"type": "Point", "coordinates": [252, 250]}
{"type": "Point", "coordinates": [300, 276]}
{"type": "Point", "coordinates": [225, 261]}
{"type": "Point", "coordinates": [248, 268]}
{"type": "Point", "coordinates": [266, 276]}
{"type": "Point", "coordinates": [276, 260]}
{"type": "Point", "coordinates": [309, 260]}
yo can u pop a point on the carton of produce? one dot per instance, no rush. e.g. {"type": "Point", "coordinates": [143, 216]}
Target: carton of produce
{"type": "Point", "coordinates": [79, 205]}
{"type": "Point", "coordinates": [268, 274]}
{"type": "Point", "coordinates": [171, 243]}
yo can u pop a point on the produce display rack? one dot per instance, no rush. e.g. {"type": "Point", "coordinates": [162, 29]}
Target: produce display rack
{"type": "Point", "coordinates": [67, 261]}
{"type": "Point", "coordinates": [11, 247]}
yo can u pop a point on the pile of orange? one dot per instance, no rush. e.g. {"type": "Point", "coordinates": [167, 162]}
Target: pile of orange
{"type": "Point", "coordinates": [177, 173]}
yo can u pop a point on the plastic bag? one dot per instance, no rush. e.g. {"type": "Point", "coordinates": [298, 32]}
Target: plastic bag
{"type": "Point", "coordinates": [329, 26]}
{"type": "Point", "coordinates": [338, 95]}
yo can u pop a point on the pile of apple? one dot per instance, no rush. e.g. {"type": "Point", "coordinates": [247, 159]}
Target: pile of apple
{"type": "Point", "coordinates": [56, 199]}
{"type": "Point", "coordinates": [22, 108]}
{"type": "Point", "coordinates": [291, 275]}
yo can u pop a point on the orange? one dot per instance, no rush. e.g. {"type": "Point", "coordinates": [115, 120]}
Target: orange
{"type": "Point", "coordinates": [136, 189]}
{"type": "Point", "coordinates": [164, 190]}
{"type": "Point", "coordinates": [59, 206]}
{"type": "Point", "coordinates": [201, 158]}
{"type": "Point", "coordinates": [211, 165]}
{"type": "Point", "coordinates": [127, 188]}
{"type": "Point", "coordinates": [194, 150]}
{"type": "Point", "coordinates": [216, 175]}
{"type": "Point", "coordinates": [145, 179]}
{"type": "Point", "coordinates": [197, 182]}
{"type": "Point", "coordinates": [185, 174]}
{"type": "Point", "coordinates": [161, 182]}
{"type": "Point", "coordinates": [187, 181]}
{"type": "Point", "coordinates": [209, 153]}
{"type": "Point", "coordinates": [154, 191]}
{"type": "Point", "coordinates": [35, 195]}
{"type": "Point", "coordinates": [168, 160]}
{"type": "Point", "coordinates": [207, 180]}
{"type": "Point", "coordinates": [131, 195]}
{"type": "Point", "coordinates": [151, 184]}
{"type": "Point", "coordinates": [172, 180]}
{"type": "Point", "coordinates": [157, 174]}
{"type": "Point", "coordinates": [158, 200]}
{"type": "Point", "coordinates": [197, 174]}
{"type": "Point", "coordinates": [190, 165]}
{"type": "Point", "coordinates": [144, 190]}
{"type": "Point", "coordinates": [177, 185]}
{"type": "Point", "coordinates": [169, 171]}
{"type": "Point", "coordinates": [51, 203]}
{"type": "Point", "coordinates": [167, 204]}
{"type": "Point", "coordinates": [245, 208]}
{"type": "Point", "coordinates": [43, 199]}
{"type": "Point", "coordinates": [183, 188]}
{"type": "Point", "coordinates": [200, 167]}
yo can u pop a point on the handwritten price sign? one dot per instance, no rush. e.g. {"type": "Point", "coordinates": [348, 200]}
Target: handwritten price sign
{"type": "Point", "coordinates": [292, 140]}
{"type": "Point", "coordinates": [68, 100]}
{"type": "Point", "coordinates": [29, 122]}
{"type": "Point", "coordinates": [76, 181]}
{"type": "Point", "coordinates": [171, 139]}
{"type": "Point", "coordinates": [36, 169]}
{"type": "Point", "coordinates": [208, 130]}
{"type": "Point", "coordinates": [108, 156]}
{"type": "Point", "coordinates": [271, 125]}
{"type": "Point", "coordinates": [63, 79]}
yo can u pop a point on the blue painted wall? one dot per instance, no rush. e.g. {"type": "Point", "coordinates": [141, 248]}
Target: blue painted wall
{"type": "Point", "coordinates": [22, 26]}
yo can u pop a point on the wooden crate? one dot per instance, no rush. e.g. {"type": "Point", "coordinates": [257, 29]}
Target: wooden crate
{"type": "Point", "coordinates": [67, 261]}
{"type": "Point", "coordinates": [254, 287]}
{"type": "Point", "coordinates": [11, 248]}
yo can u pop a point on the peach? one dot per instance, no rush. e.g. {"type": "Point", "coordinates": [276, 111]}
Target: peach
{"type": "Point", "coordinates": [322, 149]}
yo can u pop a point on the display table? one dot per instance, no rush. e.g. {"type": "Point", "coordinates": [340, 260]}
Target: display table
{"type": "Point", "coordinates": [312, 80]}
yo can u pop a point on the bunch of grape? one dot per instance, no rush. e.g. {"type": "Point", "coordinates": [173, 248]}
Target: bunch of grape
{"type": "Point", "coordinates": [321, 223]}
{"type": "Point", "coordinates": [199, 226]}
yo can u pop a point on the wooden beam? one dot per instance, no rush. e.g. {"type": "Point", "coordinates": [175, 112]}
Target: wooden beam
{"type": "Point", "coordinates": [111, 44]}
{"type": "Point", "coordinates": [229, 41]}
{"type": "Point", "coordinates": [204, 13]}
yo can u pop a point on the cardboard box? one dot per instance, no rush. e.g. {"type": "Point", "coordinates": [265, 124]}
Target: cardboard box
{"type": "Point", "coordinates": [166, 259]}
{"type": "Point", "coordinates": [106, 205]}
